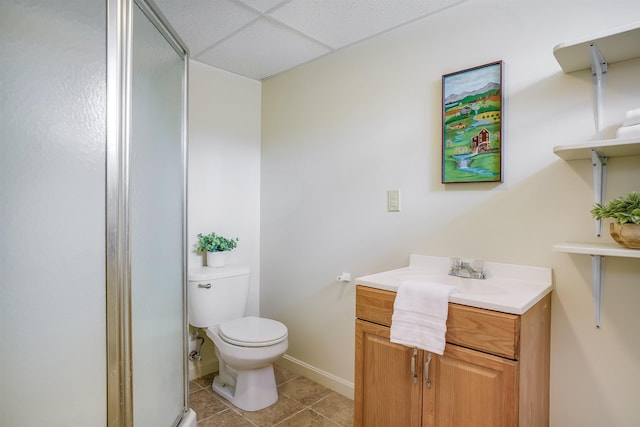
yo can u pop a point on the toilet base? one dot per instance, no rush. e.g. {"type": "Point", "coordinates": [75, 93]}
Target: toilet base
{"type": "Point", "coordinates": [249, 390]}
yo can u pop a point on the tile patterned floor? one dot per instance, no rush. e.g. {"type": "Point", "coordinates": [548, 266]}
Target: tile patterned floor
{"type": "Point", "coordinates": [301, 403]}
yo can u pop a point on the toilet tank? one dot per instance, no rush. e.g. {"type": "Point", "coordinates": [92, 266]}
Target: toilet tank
{"type": "Point", "coordinates": [216, 295]}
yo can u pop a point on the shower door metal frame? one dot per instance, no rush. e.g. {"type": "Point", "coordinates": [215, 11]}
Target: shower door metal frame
{"type": "Point", "coordinates": [118, 255]}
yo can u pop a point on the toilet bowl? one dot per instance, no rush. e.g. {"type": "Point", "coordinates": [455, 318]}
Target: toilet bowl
{"type": "Point", "coordinates": [246, 347]}
{"type": "Point", "coordinates": [246, 364]}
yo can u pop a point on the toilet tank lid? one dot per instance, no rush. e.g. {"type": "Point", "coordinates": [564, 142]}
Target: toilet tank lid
{"type": "Point", "coordinates": [212, 273]}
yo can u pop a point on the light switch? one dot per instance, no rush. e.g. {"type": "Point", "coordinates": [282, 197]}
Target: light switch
{"type": "Point", "coordinates": [393, 201]}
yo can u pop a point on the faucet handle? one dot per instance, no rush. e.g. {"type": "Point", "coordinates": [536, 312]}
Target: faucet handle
{"type": "Point", "coordinates": [456, 263]}
{"type": "Point", "coordinates": [477, 265]}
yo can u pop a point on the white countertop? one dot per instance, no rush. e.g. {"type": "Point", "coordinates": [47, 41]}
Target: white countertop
{"type": "Point", "coordinates": [508, 288]}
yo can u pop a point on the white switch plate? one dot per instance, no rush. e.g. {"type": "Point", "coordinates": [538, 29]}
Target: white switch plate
{"type": "Point", "coordinates": [393, 201]}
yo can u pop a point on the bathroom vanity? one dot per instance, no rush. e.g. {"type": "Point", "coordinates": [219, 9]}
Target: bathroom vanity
{"type": "Point", "coordinates": [495, 367]}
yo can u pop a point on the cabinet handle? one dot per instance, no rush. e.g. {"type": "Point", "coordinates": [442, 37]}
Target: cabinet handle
{"type": "Point", "coordinates": [205, 286]}
{"type": "Point", "coordinates": [426, 370]}
{"type": "Point", "coordinates": [413, 365]}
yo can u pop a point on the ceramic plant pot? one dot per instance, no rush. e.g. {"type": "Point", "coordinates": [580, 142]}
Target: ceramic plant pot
{"type": "Point", "coordinates": [216, 259]}
{"type": "Point", "coordinates": [627, 235]}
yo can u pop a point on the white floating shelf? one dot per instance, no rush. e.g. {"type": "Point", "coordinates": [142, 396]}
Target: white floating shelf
{"type": "Point", "coordinates": [597, 251]}
{"type": "Point", "coordinates": [620, 44]}
{"type": "Point", "coordinates": [607, 147]}
{"type": "Point", "coordinates": [599, 152]}
{"type": "Point", "coordinates": [603, 249]}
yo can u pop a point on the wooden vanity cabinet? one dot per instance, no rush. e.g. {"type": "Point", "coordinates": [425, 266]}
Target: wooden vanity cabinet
{"type": "Point", "coordinates": [494, 370]}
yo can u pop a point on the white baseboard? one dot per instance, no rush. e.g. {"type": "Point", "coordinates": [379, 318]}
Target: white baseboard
{"type": "Point", "coordinates": [328, 380]}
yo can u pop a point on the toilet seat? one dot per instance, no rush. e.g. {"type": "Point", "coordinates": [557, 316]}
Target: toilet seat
{"type": "Point", "coordinates": [253, 332]}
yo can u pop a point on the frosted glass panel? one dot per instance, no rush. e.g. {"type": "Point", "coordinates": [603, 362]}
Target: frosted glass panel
{"type": "Point", "coordinates": [52, 221]}
{"type": "Point", "coordinates": [156, 218]}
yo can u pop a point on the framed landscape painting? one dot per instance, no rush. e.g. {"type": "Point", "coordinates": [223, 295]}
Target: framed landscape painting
{"type": "Point", "coordinates": [472, 125]}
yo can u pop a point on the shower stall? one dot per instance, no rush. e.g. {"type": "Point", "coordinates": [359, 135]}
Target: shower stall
{"type": "Point", "coordinates": [92, 215]}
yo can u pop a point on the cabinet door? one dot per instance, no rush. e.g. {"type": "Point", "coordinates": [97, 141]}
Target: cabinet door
{"type": "Point", "coordinates": [474, 389]}
{"type": "Point", "coordinates": [385, 391]}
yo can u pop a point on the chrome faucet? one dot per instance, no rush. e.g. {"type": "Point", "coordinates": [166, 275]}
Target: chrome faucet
{"type": "Point", "coordinates": [460, 268]}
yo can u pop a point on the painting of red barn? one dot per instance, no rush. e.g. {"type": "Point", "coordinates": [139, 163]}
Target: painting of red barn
{"type": "Point", "coordinates": [472, 125]}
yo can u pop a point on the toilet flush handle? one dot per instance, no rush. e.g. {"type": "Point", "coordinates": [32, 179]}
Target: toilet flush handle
{"type": "Point", "coordinates": [204, 285]}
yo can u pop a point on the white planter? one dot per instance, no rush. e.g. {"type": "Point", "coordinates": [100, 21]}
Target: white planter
{"type": "Point", "coordinates": [216, 259]}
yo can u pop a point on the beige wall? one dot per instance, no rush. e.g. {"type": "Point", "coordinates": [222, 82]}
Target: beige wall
{"type": "Point", "coordinates": [339, 132]}
{"type": "Point", "coordinates": [224, 165]}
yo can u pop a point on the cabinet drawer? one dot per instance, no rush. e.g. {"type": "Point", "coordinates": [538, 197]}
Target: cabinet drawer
{"type": "Point", "coordinates": [484, 330]}
{"type": "Point", "coordinates": [374, 305]}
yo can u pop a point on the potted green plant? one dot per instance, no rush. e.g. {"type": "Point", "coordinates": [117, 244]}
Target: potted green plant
{"type": "Point", "coordinates": [625, 211]}
{"type": "Point", "coordinates": [216, 247]}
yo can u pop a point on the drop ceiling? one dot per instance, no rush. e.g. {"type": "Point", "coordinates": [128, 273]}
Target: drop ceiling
{"type": "Point", "coordinates": [261, 38]}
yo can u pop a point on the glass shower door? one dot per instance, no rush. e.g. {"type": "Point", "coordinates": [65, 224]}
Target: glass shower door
{"type": "Point", "coordinates": [52, 204]}
{"type": "Point", "coordinates": [156, 218]}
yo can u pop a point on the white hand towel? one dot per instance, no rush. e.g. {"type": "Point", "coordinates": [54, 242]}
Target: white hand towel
{"type": "Point", "coordinates": [628, 131]}
{"type": "Point", "coordinates": [420, 315]}
{"type": "Point", "coordinates": [632, 117]}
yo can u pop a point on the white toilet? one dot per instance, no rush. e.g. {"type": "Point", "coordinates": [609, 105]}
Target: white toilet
{"type": "Point", "coordinates": [246, 347]}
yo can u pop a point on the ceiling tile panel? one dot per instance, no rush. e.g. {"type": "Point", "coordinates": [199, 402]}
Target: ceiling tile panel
{"type": "Point", "coordinates": [340, 23]}
{"type": "Point", "coordinates": [262, 49]}
{"type": "Point", "coordinates": [201, 23]}
{"type": "Point", "coordinates": [263, 5]}
{"type": "Point", "coordinates": [260, 38]}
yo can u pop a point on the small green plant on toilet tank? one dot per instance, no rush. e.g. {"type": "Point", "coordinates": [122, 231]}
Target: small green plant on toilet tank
{"type": "Point", "coordinates": [213, 242]}
{"type": "Point", "coordinates": [216, 247]}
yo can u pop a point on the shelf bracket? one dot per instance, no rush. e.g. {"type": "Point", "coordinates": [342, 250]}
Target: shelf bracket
{"type": "Point", "coordinates": [599, 72]}
{"type": "Point", "coordinates": [599, 162]}
{"type": "Point", "coordinates": [597, 272]}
